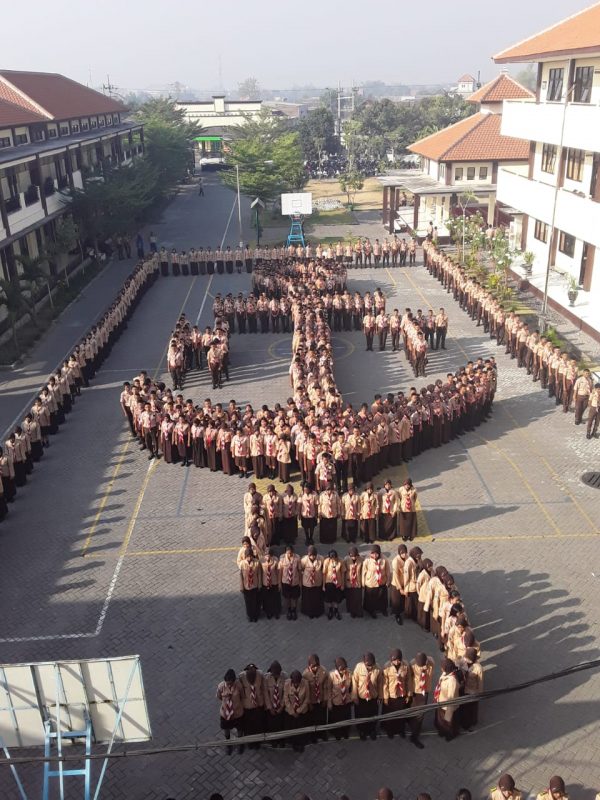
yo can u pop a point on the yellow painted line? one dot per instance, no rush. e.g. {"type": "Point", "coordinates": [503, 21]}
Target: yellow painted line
{"type": "Point", "coordinates": [136, 509]}
{"type": "Point", "coordinates": [182, 551]}
{"type": "Point", "coordinates": [509, 536]}
{"type": "Point", "coordinates": [105, 497]}
{"type": "Point", "coordinates": [393, 280]}
{"type": "Point", "coordinates": [117, 468]}
{"type": "Point", "coordinates": [164, 355]}
{"type": "Point", "coordinates": [552, 471]}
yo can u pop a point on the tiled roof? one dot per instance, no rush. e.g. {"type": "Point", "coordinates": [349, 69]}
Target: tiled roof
{"type": "Point", "coordinates": [476, 138]}
{"type": "Point", "coordinates": [579, 33]}
{"type": "Point", "coordinates": [502, 87]}
{"type": "Point", "coordinates": [466, 78]}
{"type": "Point", "coordinates": [56, 96]}
{"type": "Point", "coordinates": [11, 114]}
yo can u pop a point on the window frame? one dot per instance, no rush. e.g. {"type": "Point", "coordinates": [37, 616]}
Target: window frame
{"type": "Point", "coordinates": [555, 84]}
{"type": "Point", "coordinates": [483, 173]}
{"type": "Point", "coordinates": [566, 244]}
{"type": "Point", "coordinates": [582, 92]}
{"type": "Point", "coordinates": [470, 173]}
{"type": "Point", "coordinates": [540, 231]}
{"type": "Point", "coordinates": [548, 160]}
{"type": "Point", "coordinates": [458, 170]}
{"type": "Point", "coordinates": [575, 163]}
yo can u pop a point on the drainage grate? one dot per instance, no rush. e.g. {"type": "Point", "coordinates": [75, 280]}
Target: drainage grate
{"type": "Point", "coordinates": [591, 479]}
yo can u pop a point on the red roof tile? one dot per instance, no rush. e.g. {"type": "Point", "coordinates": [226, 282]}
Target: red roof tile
{"type": "Point", "coordinates": [11, 114]}
{"type": "Point", "coordinates": [466, 78]}
{"type": "Point", "coordinates": [579, 33]}
{"type": "Point", "coordinates": [54, 94]}
{"type": "Point", "coordinates": [476, 138]}
{"type": "Point", "coordinates": [502, 87]}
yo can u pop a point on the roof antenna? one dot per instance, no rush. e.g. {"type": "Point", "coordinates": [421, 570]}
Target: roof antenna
{"type": "Point", "coordinates": [479, 79]}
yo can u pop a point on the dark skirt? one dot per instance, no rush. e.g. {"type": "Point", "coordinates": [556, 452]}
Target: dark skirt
{"type": "Point", "coordinates": [408, 524]}
{"type": "Point", "coordinates": [227, 461]}
{"type": "Point", "coordinates": [410, 607]}
{"type": "Point", "coordinates": [258, 466]}
{"type": "Point", "coordinates": [333, 594]}
{"type": "Point", "coordinates": [422, 616]}
{"type": "Point", "coordinates": [220, 266]}
{"type": "Point", "coordinates": [290, 592]}
{"type": "Point", "coordinates": [312, 601]}
{"type": "Point", "coordinates": [211, 457]}
{"type": "Point", "coordinates": [375, 599]}
{"type": "Point", "coordinates": [341, 714]}
{"type": "Point", "coordinates": [387, 527]}
{"type": "Point", "coordinates": [271, 601]}
{"type": "Point", "coordinates": [3, 507]}
{"type": "Point", "coordinates": [327, 530]}
{"type": "Point", "coordinates": [284, 472]}
{"type": "Point", "coordinates": [368, 530]}
{"type": "Point", "coordinates": [469, 715]}
{"type": "Point", "coordinates": [252, 601]}
{"type": "Point", "coordinates": [37, 451]}
{"type": "Point", "coordinates": [289, 529]}
{"type": "Point", "coordinates": [253, 721]}
{"type": "Point", "coordinates": [350, 530]}
{"type": "Point", "coordinates": [198, 454]}
{"type": "Point", "coordinates": [10, 489]}
{"type": "Point", "coordinates": [445, 728]}
{"type": "Point", "coordinates": [230, 724]}
{"type": "Point", "coordinates": [354, 601]}
{"type": "Point", "coordinates": [274, 722]}
{"type": "Point", "coordinates": [20, 473]}
{"type": "Point", "coordinates": [394, 727]}
{"type": "Point", "coordinates": [434, 625]}
{"type": "Point", "coordinates": [396, 601]}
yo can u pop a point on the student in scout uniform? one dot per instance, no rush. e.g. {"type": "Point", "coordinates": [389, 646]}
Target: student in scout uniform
{"type": "Point", "coordinates": [506, 789]}
{"type": "Point", "coordinates": [229, 694]}
{"type": "Point", "coordinates": [308, 505]}
{"type": "Point", "coordinates": [291, 579]}
{"type": "Point", "coordinates": [407, 516]}
{"type": "Point", "coordinates": [397, 583]}
{"type": "Point", "coordinates": [333, 583]}
{"type": "Point", "coordinates": [369, 509]}
{"type": "Point", "coordinates": [350, 511]}
{"type": "Point", "coordinates": [317, 678]}
{"type": "Point", "coordinates": [441, 329]}
{"type": "Point", "coordinates": [311, 567]}
{"type": "Point", "coordinates": [289, 515]}
{"type": "Point", "coordinates": [366, 693]}
{"type": "Point", "coordinates": [274, 688]}
{"type": "Point", "coordinates": [353, 592]}
{"type": "Point", "coordinates": [395, 679]}
{"type": "Point", "coordinates": [340, 697]}
{"type": "Point", "coordinates": [423, 580]}
{"type": "Point", "coordinates": [270, 593]}
{"type": "Point", "coordinates": [369, 326]}
{"type": "Point", "coordinates": [410, 582]}
{"type": "Point", "coordinates": [556, 790]}
{"type": "Point", "coordinates": [297, 709]}
{"type": "Point", "coordinates": [253, 697]}
{"type": "Point", "coordinates": [376, 578]}
{"type": "Point", "coordinates": [473, 684]}
{"type": "Point", "coordinates": [593, 411]}
{"type": "Point", "coordinates": [388, 512]}
{"type": "Point", "coordinates": [448, 688]}
{"type": "Point", "coordinates": [250, 584]}
{"type": "Point", "coordinates": [164, 262]}
{"type": "Point", "coordinates": [420, 683]}
{"type": "Point", "coordinates": [329, 511]}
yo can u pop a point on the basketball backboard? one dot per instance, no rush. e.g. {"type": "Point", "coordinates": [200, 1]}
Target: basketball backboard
{"type": "Point", "coordinates": [296, 203]}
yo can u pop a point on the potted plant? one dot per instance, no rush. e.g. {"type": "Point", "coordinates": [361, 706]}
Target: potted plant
{"type": "Point", "coordinates": [572, 289]}
{"type": "Point", "coordinates": [528, 259]}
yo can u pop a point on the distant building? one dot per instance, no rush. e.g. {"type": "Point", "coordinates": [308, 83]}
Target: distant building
{"type": "Point", "coordinates": [462, 158]}
{"type": "Point", "coordinates": [559, 192]}
{"type": "Point", "coordinates": [53, 132]}
{"type": "Point", "coordinates": [466, 86]}
{"type": "Point", "coordinates": [285, 109]}
{"type": "Point", "coordinates": [217, 117]}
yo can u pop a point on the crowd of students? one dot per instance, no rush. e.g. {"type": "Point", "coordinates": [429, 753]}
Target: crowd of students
{"type": "Point", "coordinates": [25, 445]}
{"type": "Point", "coordinates": [253, 702]}
{"type": "Point", "coordinates": [556, 370]}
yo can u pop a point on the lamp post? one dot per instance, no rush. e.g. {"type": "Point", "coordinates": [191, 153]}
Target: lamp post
{"type": "Point", "coordinates": [239, 205]}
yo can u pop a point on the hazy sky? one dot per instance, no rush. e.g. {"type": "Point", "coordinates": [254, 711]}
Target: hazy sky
{"type": "Point", "coordinates": [146, 43]}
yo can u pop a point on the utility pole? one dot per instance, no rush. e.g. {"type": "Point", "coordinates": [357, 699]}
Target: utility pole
{"type": "Point", "coordinates": [109, 88]}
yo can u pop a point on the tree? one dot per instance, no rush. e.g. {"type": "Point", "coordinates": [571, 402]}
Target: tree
{"type": "Point", "coordinates": [317, 134]}
{"type": "Point", "coordinates": [66, 238]}
{"type": "Point", "coordinates": [269, 159]}
{"type": "Point", "coordinates": [249, 89]}
{"type": "Point", "coordinates": [350, 183]}
{"type": "Point", "coordinates": [527, 77]}
{"type": "Point", "coordinates": [33, 276]}
{"type": "Point", "coordinates": [12, 299]}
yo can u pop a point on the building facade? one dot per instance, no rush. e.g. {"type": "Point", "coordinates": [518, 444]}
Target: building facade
{"type": "Point", "coordinates": [459, 166]}
{"type": "Point", "coordinates": [217, 117]}
{"type": "Point", "coordinates": [560, 191]}
{"type": "Point", "coordinates": [53, 133]}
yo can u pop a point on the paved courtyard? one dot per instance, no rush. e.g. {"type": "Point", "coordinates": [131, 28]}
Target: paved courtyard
{"type": "Point", "coordinates": [104, 555]}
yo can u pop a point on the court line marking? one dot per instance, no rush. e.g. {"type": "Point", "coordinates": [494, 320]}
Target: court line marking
{"type": "Point", "coordinates": [519, 430]}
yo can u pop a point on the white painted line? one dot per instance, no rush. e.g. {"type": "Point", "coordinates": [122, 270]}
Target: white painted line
{"type": "Point", "coordinates": [108, 598]}
{"type": "Point", "coordinates": [204, 300]}
{"type": "Point", "coordinates": [228, 222]}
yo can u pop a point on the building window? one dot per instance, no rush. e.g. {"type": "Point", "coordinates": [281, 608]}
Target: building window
{"type": "Point", "coordinates": [75, 127]}
{"type": "Point", "coordinates": [37, 135]}
{"type": "Point", "coordinates": [540, 231]}
{"type": "Point", "coordinates": [101, 122]}
{"type": "Point", "coordinates": [470, 173]}
{"type": "Point", "coordinates": [5, 141]}
{"type": "Point", "coordinates": [575, 162]}
{"type": "Point", "coordinates": [442, 170]}
{"type": "Point", "coordinates": [566, 244]}
{"type": "Point", "coordinates": [21, 138]}
{"type": "Point", "coordinates": [93, 124]}
{"type": "Point", "coordinates": [555, 84]}
{"type": "Point", "coordinates": [582, 91]}
{"type": "Point", "coordinates": [483, 173]}
{"type": "Point", "coordinates": [64, 130]}
{"type": "Point", "coordinates": [548, 158]}
{"type": "Point", "coordinates": [85, 126]}
{"type": "Point", "coordinates": [52, 133]}
{"type": "Point", "coordinates": [458, 174]}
